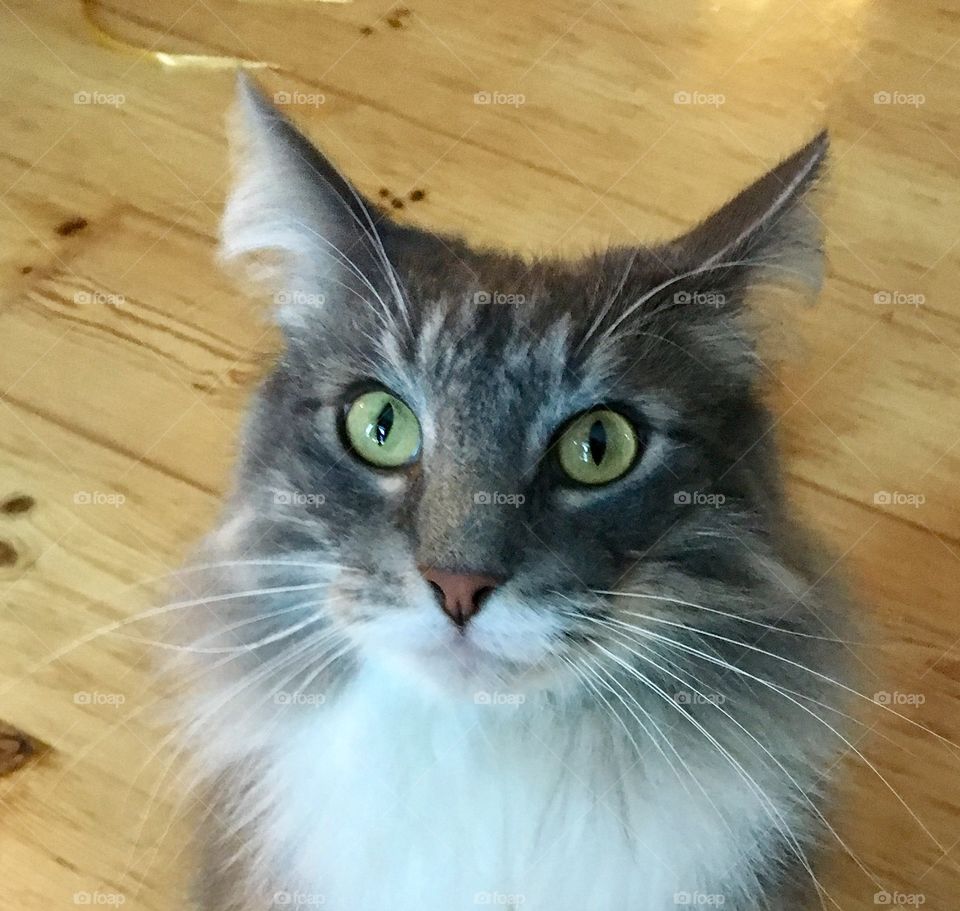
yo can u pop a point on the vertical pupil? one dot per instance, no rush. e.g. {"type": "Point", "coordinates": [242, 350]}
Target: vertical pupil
{"type": "Point", "coordinates": [597, 441]}
{"type": "Point", "coordinates": [384, 423]}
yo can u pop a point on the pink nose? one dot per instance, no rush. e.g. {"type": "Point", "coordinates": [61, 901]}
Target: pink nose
{"type": "Point", "coordinates": [460, 594]}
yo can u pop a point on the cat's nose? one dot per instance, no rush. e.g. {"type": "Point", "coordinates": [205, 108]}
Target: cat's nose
{"type": "Point", "coordinates": [460, 595]}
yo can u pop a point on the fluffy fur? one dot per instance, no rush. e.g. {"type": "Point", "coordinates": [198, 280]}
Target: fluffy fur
{"type": "Point", "coordinates": [639, 715]}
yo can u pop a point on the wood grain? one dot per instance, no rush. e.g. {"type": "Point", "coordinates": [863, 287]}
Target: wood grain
{"type": "Point", "coordinates": [127, 358]}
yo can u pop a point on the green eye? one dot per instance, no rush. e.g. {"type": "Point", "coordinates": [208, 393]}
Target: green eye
{"type": "Point", "coordinates": [598, 447]}
{"type": "Point", "coordinates": [382, 430]}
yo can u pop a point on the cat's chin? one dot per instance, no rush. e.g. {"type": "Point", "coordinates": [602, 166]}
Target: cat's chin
{"type": "Point", "coordinates": [456, 667]}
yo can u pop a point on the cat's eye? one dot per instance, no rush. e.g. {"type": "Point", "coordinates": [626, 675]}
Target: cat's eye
{"type": "Point", "coordinates": [598, 447]}
{"type": "Point", "coordinates": [382, 430]}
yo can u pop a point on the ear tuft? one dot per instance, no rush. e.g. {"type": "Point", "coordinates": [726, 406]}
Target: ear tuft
{"type": "Point", "coordinates": [292, 223]}
{"type": "Point", "coordinates": [768, 228]}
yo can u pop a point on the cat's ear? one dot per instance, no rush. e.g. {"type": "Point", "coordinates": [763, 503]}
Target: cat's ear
{"type": "Point", "coordinates": [766, 233]}
{"type": "Point", "coordinates": [292, 222]}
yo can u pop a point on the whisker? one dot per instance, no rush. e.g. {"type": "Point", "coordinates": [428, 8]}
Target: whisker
{"type": "Point", "coordinates": [714, 610]}
{"type": "Point", "coordinates": [158, 611]}
{"type": "Point", "coordinates": [198, 725]}
{"type": "Point", "coordinates": [799, 665]}
{"type": "Point", "coordinates": [818, 718]}
{"type": "Point", "coordinates": [775, 815]}
{"type": "Point", "coordinates": [711, 267]}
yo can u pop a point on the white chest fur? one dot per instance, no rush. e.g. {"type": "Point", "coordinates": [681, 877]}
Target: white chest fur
{"type": "Point", "coordinates": [387, 802]}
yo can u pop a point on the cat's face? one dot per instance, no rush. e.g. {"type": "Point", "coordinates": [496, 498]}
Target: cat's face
{"type": "Point", "coordinates": [476, 451]}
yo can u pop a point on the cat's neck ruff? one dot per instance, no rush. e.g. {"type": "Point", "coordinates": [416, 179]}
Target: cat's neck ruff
{"type": "Point", "coordinates": [446, 806]}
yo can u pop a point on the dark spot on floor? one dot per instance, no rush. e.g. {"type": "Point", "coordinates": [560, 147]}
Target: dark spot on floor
{"type": "Point", "coordinates": [71, 226]}
{"type": "Point", "coordinates": [396, 203]}
{"type": "Point", "coordinates": [366, 30]}
{"type": "Point", "coordinates": [63, 862]}
{"type": "Point", "coordinates": [14, 506]}
{"type": "Point", "coordinates": [8, 554]}
{"type": "Point", "coordinates": [26, 270]}
{"type": "Point", "coordinates": [395, 19]}
{"type": "Point", "coordinates": [384, 192]}
{"type": "Point", "coordinates": [15, 749]}
{"type": "Point", "coordinates": [417, 195]}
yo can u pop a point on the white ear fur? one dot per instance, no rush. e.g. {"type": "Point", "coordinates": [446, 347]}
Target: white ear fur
{"type": "Point", "coordinates": [284, 220]}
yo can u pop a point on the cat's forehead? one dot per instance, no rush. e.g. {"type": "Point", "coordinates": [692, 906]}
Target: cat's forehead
{"type": "Point", "coordinates": [498, 338]}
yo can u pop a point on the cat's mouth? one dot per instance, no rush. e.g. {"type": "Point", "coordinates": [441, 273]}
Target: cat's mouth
{"type": "Point", "coordinates": [507, 648]}
{"type": "Point", "coordinates": [463, 666]}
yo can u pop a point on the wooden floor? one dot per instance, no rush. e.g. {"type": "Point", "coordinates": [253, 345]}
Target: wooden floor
{"type": "Point", "coordinates": [125, 358]}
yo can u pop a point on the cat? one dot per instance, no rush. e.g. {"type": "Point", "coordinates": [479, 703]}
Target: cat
{"type": "Point", "coordinates": [506, 606]}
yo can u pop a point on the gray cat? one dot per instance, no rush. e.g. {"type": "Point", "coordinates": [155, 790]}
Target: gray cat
{"type": "Point", "coordinates": [506, 606]}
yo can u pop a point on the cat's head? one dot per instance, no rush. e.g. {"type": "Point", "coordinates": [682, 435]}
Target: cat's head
{"type": "Point", "coordinates": [472, 451]}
